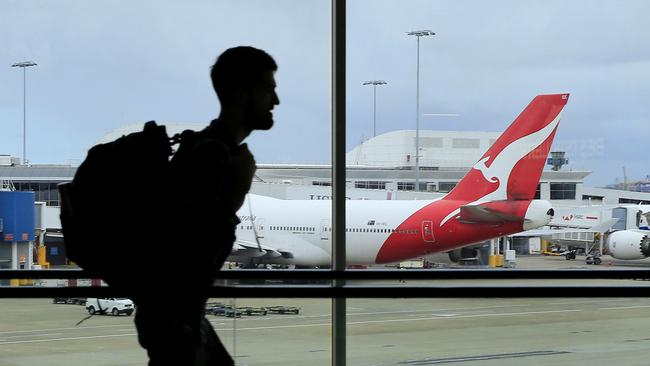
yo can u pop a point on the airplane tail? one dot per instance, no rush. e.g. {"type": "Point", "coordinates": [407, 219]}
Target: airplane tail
{"type": "Point", "coordinates": [512, 166]}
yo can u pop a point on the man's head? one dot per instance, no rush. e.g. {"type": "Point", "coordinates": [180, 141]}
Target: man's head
{"type": "Point", "coordinates": [243, 78]}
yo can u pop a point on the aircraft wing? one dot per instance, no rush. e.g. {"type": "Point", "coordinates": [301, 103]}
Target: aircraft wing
{"type": "Point", "coordinates": [485, 214]}
{"type": "Point", "coordinates": [244, 248]}
{"type": "Point", "coordinates": [600, 228]}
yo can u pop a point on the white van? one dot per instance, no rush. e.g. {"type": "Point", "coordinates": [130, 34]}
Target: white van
{"type": "Point", "coordinates": [110, 305]}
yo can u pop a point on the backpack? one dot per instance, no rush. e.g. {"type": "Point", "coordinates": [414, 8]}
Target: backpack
{"type": "Point", "coordinates": [116, 214]}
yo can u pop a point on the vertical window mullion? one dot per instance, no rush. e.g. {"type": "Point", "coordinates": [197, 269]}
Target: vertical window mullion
{"type": "Point", "coordinates": [338, 177]}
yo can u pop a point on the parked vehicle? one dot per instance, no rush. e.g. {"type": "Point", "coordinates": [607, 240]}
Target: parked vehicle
{"type": "Point", "coordinates": [69, 300]}
{"type": "Point", "coordinates": [224, 310]}
{"type": "Point", "coordinates": [253, 310]}
{"type": "Point", "coordinates": [111, 305]}
{"type": "Point", "coordinates": [283, 309]}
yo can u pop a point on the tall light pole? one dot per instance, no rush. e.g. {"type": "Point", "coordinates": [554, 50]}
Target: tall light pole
{"type": "Point", "coordinates": [374, 84]}
{"type": "Point", "coordinates": [24, 65]}
{"type": "Point", "coordinates": [418, 34]}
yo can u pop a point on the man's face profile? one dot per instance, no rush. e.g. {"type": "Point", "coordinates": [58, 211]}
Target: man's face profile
{"type": "Point", "coordinates": [261, 100]}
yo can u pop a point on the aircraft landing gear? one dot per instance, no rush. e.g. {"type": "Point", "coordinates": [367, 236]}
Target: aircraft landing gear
{"type": "Point", "coordinates": [593, 260]}
{"type": "Point", "coordinates": [570, 255]}
{"type": "Point", "coordinates": [252, 264]}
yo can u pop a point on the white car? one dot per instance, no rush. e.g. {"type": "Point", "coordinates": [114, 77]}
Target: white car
{"type": "Point", "coordinates": [110, 305]}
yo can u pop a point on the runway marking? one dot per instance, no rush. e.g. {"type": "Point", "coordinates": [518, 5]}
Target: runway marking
{"type": "Point", "coordinates": [439, 315]}
{"type": "Point", "coordinates": [445, 315]}
{"type": "Point", "coordinates": [443, 309]}
{"type": "Point", "coordinates": [27, 310]}
{"type": "Point", "coordinates": [126, 329]}
{"type": "Point", "coordinates": [585, 302]}
{"type": "Point", "coordinates": [501, 356]}
{"type": "Point", "coordinates": [468, 316]}
{"type": "Point", "coordinates": [50, 329]}
{"type": "Point", "coordinates": [626, 307]}
{"type": "Point", "coordinates": [278, 326]}
{"type": "Point", "coordinates": [304, 325]}
{"type": "Point", "coordinates": [276, 316]}
{"type": "Point", "coordinates": [3, 339]}
{"type": "Point", "coordinates": [68, 338]}
{"type": "Point", "coordinates": [406, 320]}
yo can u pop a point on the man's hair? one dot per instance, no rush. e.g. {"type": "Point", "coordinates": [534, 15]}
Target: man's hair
{"type": "Point", "coordinates": [239, 67]}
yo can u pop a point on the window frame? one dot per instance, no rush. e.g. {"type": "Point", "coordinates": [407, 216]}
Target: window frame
{"type": "Point", "coordinates": [338, 288]}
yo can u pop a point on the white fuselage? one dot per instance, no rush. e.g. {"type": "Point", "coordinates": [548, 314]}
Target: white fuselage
{"type": "Point", "coordinates": [495, 198]}
{"type": "Point", "coordinates": [303, 227]}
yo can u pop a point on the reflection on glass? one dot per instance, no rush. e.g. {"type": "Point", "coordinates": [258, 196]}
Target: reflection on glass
{"type": "Point", "coordinates": [451, 92]}
{"type": "Point", "coordinates": [273, 331]}
{"type": "Point", "coordinates": [254, 331]}
{"type": "Point", "coordinates": [562, 331]}
{"type": "Point", "coordinates": [380, 331]}
{"type": "Point", "coordinates": [44, 332]}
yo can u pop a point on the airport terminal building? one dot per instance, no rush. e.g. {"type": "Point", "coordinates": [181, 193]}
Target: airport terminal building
{"type": "Point", "coordinates": [382, 167]}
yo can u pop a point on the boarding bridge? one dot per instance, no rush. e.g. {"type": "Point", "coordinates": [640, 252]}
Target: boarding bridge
{"type": "Point", "coordinates": [629, 217]}
{"type": "Point", "coordinates": [577, 237]}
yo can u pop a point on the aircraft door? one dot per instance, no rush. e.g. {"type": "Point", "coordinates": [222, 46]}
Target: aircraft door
{"type": "Point", "coordinates": [324, 229]}
{"type": "Point", "coordinates": [643, 222]}
{"type": "Point", "coordinates": [621, 214]}
{"type": "Point", "coordinates": [427, 232]}
{"type": "Point", "coordinates": [259, 228]}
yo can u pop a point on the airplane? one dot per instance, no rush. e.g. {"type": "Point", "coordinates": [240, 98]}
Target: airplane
{"type": "Point", "coordinates": [632, 243]}
{"type": "Point", "coordinates": [624, 229]}
{"type": "Point", "coordinates": [495, 198]}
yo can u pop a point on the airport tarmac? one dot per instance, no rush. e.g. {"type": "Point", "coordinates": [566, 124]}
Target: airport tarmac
{"type": "Point", "coordinates": [485, 331]}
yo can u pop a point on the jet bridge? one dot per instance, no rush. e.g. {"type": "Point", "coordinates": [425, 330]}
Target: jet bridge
{"type": "Point", "coordinates": [17, 218]}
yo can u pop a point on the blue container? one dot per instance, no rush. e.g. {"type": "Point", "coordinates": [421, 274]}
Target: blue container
{"type": "Point", "coordinates": [17, 216]}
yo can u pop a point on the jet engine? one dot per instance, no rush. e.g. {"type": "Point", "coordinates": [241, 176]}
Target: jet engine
{"type": "Point", "coordinates": [456, 255]}
{"type": "Point", "coordinates": [629, 244]}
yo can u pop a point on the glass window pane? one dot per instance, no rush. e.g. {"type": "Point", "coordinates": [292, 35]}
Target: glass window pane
{"type": "Point", "coordinates": [274, 331]}
{"type": "Point", "coordinates": [102, 71]}
{"type": "Point", "coordinates": [41, 332]}
{"type": "Point", "coordinates": [561, 331]}
{"type": "Point", "coordinates": [254, 331]}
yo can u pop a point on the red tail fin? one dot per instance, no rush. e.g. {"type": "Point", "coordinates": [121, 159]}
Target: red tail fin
{"type": "Point", "coordinates": [512, 166]}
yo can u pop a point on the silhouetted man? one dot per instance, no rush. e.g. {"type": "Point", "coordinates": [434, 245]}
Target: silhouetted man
{"type": "Point", "coordinates": [212, 171]}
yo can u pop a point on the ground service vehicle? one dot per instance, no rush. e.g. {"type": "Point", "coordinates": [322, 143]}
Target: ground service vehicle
{"type": "Point", "coordinates": [69, 300]}
{"type": "Point", "coordinates": [111, 305]}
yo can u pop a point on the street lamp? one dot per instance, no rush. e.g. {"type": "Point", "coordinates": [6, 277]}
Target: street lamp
{"type": "Point", "coordinates": [374, 84]}
{"type": "Point", "coordinates": [24, 65]}
{"type": "Point", "coordinates": [418, 34]}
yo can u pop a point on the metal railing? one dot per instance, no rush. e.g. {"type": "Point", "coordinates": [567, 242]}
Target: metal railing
{"type": "Point", "coordinates": [375, 284]}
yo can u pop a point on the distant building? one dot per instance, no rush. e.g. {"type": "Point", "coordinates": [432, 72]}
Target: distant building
{"type": "Point", "coordinates": [637, 186]}
{"type": "Point", "coordinates": [382, 167]}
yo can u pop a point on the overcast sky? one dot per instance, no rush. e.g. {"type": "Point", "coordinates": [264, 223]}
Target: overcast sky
{"type": "Point", "coordinates": [105, 64]}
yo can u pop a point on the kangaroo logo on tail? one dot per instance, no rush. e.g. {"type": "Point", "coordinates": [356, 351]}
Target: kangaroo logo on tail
{"type": "Point", "coordinates": [499, 169]}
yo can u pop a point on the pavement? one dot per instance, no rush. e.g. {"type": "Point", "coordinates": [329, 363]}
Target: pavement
{"type": "Point", "coordinates": [484, 331]}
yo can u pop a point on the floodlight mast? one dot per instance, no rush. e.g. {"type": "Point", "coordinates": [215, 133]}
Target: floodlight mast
{"type": "Point", "coordinates": [24, 65]}
{"type": "Point", "coordinates": [374, 84]}
{"type": "Point", "coordinates": [418, 34]}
